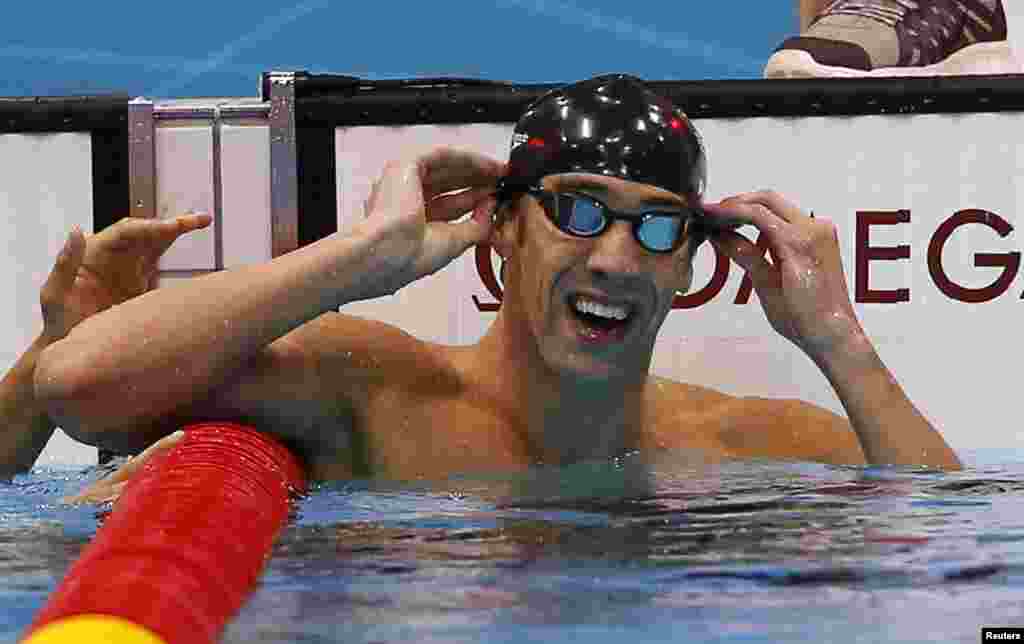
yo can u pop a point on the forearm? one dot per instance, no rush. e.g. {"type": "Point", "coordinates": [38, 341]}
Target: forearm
{"type": "Point", "coordinates": [891, 429]}
{"type": "Point", "coordinates": [170, 347]}
{"type": "Point", "coordinates": [25, 427]}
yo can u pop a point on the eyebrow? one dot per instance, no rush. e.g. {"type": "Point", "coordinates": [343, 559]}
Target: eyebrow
{"type": "Point", "coordinates": [602, 190]}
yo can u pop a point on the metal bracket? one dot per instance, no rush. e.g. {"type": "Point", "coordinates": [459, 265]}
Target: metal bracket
{"type": "Point", "coordinates": [218, 194]}
{"type": "Point", "coordinates": [284, 169]}
{"type": "Point", "coordinates": [142, 158]}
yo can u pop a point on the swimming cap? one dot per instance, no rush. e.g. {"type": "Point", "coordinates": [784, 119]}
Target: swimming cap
{"type": "Point", "coordinates": [613, 126]}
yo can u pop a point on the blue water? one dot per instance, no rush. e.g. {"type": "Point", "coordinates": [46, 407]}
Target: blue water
{"type": "Point", "coordinates": [633, 550]}
{"type": "Point", "coordinates": [199, 48]}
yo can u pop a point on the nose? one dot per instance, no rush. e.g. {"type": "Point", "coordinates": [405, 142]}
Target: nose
{"type": "Point", "coordinates": [616, 251]}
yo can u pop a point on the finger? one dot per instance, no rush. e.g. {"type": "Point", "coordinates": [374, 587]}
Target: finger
{"type": "Point", "coordinates": [776, 204]}
{"type": "Point", "coordinates": [446, 241]}
{"type": "Point", "coordinates": [371, 199]}
{"type": "Point", "coordinates": [115, 493]}
{"type": "Point", "coordinates": [399, 189]}
{"type": "Point", "coordinates": [159, 234]}
{"type": "Point", "coordinates": [165, 232]}
{"type": "Point", "coordinates": [165, 443]}
{"type": "Point", "coordinates": [193, 221]}
{"type": "Point", "coordinates": [133, 464]}
{"type": "Point", "coordinates": [99, 492]}
{"type": "Point", "coordinates": [62, 276]}
{"type": "Point", "coordinates": [718, 219]}
{"type": "Point", "coordinates": [748, 256]}
{"type": "Point", "coordinates": [85, 496]}
{"type": "Point", "coordinates": [446, 169]}
{"type": "Point", "coordinates": [110, 487]}
{"type": "Point", "coordinates": [452, 206]}
{"type": "Point", "coordinates": [773, 228]}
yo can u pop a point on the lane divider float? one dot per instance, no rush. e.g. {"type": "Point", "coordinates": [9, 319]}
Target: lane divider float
{"type": "Point", "coordinates": [183, 548]}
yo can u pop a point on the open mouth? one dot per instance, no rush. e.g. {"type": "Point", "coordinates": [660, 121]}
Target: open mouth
{"type": "Point", "coordinates": [599, 319]}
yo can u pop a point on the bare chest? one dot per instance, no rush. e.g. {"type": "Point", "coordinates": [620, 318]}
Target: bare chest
{"type": "Point", "coordinates": [404, 435]}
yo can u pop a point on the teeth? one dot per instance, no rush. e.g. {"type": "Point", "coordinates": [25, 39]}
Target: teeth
{"type": "Point", "coordinates": [603, 310]}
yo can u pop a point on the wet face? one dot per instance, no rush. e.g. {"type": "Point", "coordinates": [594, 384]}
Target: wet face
{"type": "Point", "coordinates": [591, 306]}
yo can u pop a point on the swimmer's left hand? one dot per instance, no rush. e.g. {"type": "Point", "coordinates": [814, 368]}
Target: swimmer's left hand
{"type": "Point", "coordinates": [109, 489]}
{"type": "Point", "coordinates": [99, 271]}
{"type": "Point", "coordinates": [801, 284]}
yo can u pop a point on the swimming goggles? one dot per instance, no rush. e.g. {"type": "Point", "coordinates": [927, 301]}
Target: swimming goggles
{"type": "Point", "coordinates": [659, 229]}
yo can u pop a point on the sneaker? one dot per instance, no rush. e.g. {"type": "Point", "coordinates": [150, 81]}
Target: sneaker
{"type": "Point", "coordinates": [874, 38]}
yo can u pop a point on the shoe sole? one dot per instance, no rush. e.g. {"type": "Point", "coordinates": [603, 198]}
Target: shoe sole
{"type": "Point", "coordinates": [983, 58]}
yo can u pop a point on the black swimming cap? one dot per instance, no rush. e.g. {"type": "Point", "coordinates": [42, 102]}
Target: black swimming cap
{"type": "Point", "coordinates": [610, 125]}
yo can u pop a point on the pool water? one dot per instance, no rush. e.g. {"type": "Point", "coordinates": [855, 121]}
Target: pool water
{"type": "Point", "coordinates": [634, 550]}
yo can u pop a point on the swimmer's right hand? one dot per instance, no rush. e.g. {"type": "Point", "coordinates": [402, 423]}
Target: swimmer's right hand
{"type": "Point", "coordinates": [412, 207]}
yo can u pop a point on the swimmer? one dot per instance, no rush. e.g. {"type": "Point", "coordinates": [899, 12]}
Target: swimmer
{"type": "Point", "coordinates": [597, 217]}
{"type": "Point", "coordinates": [91, 274]}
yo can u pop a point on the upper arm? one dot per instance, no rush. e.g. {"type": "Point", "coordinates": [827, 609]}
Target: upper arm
{"type": "Point", "coordinates": [303, 389]}
{"type": "Point", "coordinates": [274, 391]}
{"type": "Point", "coordinates": [787, 428]}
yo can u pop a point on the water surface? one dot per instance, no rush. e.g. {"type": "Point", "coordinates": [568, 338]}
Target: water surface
{"type": "Point", "coordinates": [671, 549]}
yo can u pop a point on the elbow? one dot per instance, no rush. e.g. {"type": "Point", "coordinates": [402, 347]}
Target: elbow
{"type": "Point", "coordinates": [63, 391]}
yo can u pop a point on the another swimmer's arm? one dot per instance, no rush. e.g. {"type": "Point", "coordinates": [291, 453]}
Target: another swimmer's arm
{"type": "Point", "coordinates": [128, 367]}
{"type": "Point", "coordinates": [25, 427]}
{"type": "Point", "coordinates": [91, 274]}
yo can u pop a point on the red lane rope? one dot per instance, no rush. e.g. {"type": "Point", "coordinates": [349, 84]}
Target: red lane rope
{"type": "Point", "coordinates": [188, 539]}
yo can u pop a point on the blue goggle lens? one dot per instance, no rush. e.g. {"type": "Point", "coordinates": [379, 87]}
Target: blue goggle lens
{"type": "Point", "coordinates": [587, 218]}
{"type": "Point", "coordinates": [660, 233]}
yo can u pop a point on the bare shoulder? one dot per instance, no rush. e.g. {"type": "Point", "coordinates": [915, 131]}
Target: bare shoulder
{"type": "Point", "coordinates": [756, 427]}
{"type": "Point", "coordinates": [318, 375]}
{"type": "Point", "coordinates": [685, 397]}
{"type": "Point", "coordinates": [335, 333]}
{"type": "Point", "coordinates": [359, 352]}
